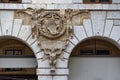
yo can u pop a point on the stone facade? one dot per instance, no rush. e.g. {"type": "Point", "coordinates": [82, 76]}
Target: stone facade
{"type": "Point", "coordinates": [103, 21]}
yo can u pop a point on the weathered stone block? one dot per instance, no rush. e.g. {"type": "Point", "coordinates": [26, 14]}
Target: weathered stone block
{"type": "Point", "coordinates": [113, 15]}
{"type": "Point", "coordinates": [25, 32]}
{"type": "Point", "coordinates": [16, 26]}
{"type": "Point", "coordinates": [108, 27]}
{"type": "Point", "coordinates": [43, 64]}
{"type": "Point", "coordinates": [77, 1]}
{"type": "Point", "coordinates": [60, 78]}
{"type": "Point", "coordinates": [88, 27]}
{"type": "Point", "coordinates": [115, 1]}
{"type": "Point", "coordinates": [98, 21]}
{"type": "Point", "coordinates": [26, 1]}
{"type": "Point", "coordinates": [6, 18]}
{"type": "Point", "coordinates": [116, 22]}
{"type": "Point", "coordinates": [61, 63]}
{"type": "Point", "coordinates": [79, 32]}
{"type": "Point", "coordinates": [35, 47]}
{"type": "Point", "coordinates": [115, 34]}
{"type": "Point", "coordinates": [45, 78]}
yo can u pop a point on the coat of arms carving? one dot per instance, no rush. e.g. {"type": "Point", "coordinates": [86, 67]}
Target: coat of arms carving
{"type": "Point", "coordinates": [53, 30]}
{"type": "Point", "coordinates": [52, 25]}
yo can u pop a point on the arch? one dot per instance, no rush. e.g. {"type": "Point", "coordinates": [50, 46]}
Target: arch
{"type": "Point", "coordinates": [71, 46]}
{"type": "Point", "coordinates": [18, 39]}
{"type": "Point", "coordinates": [82, 67]}
{"type": "Point", "coordinates": [12, 52]}
{"type": "Point", "coordinates": [98, 37]}
{"type": "Point", "coordinates": [104, 40]}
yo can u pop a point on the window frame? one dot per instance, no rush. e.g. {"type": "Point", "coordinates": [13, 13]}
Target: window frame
{"type": "Point", "coordinates": [94, 52]}
{"type": "Point", "coordinates": [8, 1]}
{"type": "Point", "coordinates": [96, 2]}
{"type": "Point", "coordinates": [21, 49]}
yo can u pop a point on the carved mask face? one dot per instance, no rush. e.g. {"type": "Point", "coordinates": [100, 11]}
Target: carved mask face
{"type": "Point", "coordinates": [53, 28]}
{"type": "Point", "coordinates": [54, 48]}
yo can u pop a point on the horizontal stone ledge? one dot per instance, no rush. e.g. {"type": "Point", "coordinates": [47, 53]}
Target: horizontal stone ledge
{"type": "Point", "coordinates": [62, 6]}
{"type": "Point", "coordinates": [46, 72]}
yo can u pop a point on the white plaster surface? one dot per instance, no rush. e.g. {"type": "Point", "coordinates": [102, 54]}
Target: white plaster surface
{"type": "Point", "coordinates": [25, 32]}
{"type": "Point", "coordinates": [66, 55]}
{"type": "Point", "coordinates": [60, 78]}
{"type": "Point", "coordinates": [108, 27]}
{"type": "Point", "coordinates": [109, 7]}
{"type": "Point", "coordinates": [16, 26]}
{"type": "Point", "coordinates": [39, 55]}
{"type": "Point", "coordinates": [93, 6]}
{"type": "Point", "coordinates": [30, 40]}
{"type": "Point", "coordinates": [1, 5]}
{"type": "Point", "coordinates": [35, 47]}
{"type": "Point", "coordinates": [113, 15]}
{"type": "Point", "coordinates": [55, 4]}
{"type": "Point", "coordinates": [116, 22]}
{"type": "Point", "coordinates": [61, 63]}
{"type": "Point", "coordinates": [48, 71]}
{"type": "Point", "coordinates": [74, 40]}
{"type": "Point", "coordinates": [18, 63]}
{"type": "Point", "coordinates": [94, 68]}
{"type": "Point", "coordinates": [88, 26]}
{"type": "Point", "coordinates": [69, 48]}
{"type": "Point", "coordinates": [10, 6]}
{"type": "Point", "coordinates": [43, 64]}
{"type": "Point", "coordinates": [45, 78]}
{"type": "Point", "coordinates": [77, 1]}
{"type": "Point", "coordinates": [26, 1]}
{"type": "Point", "coordinates": [6, 18]}
{"type": "Point", "coordinates": [79, 32]}
{"type": "Point", "coordinates": [43, 71]}
{"type": "Point", "coordinates": [51, 1]}
{"type": "Point", "coordinates": [115, 1]}
{"type": "Point", "coordinates": [98, 20]}
{"type": "Point", "coordinates": [62, 71]}
{"type": "Point", "coordinates": [115, 34]}
{"type": "Point", "coordinates": [0, 29]}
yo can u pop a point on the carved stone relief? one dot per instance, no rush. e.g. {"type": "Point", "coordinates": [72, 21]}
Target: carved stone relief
{"type": "Point", "coordinates": [53, 29]}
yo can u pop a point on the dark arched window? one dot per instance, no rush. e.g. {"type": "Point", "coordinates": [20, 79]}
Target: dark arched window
{"type": "Point", "coordinates": [10, 1]}
{"type": "Point", "coordinates": [97, 1]}
{"type": "Point", "coordinates": [96, 47]}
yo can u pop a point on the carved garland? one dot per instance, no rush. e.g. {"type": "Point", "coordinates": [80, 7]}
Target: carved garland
{"type": "Point", "coordinates": [53, 30]}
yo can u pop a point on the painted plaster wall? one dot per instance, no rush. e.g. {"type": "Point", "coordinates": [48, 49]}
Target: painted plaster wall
{"type": "Point", "coordinates": [94, 68]}
{"type": "Point", "coordinates": [18, 63]}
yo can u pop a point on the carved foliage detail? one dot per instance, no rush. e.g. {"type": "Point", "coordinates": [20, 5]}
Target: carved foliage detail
{"type": "Point", "coordinates": [53, 30]}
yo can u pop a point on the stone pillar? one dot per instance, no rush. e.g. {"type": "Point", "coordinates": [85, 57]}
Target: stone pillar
{"type": "Point", "coordinates": [45, 74]}
{"type": "Point", "coordinates": [44, 71]}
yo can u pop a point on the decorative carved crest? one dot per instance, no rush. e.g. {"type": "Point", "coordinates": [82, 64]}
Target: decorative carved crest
{"type": "Point", "coordinates": [53, 30]}
{"type": "Point", "coordinates": [52, 25]}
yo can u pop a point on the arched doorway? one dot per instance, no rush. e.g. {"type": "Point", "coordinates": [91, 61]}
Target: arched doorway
{"type": "Point", "coordinates": [17, 60]}
{"type": "Point", "coordinates": [95, 59]}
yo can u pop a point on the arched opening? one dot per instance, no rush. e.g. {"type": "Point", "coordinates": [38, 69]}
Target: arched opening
{"type": "Point", "coordinates": [17, 60]}
{"type": "Point", "coordinates": [95, 59]}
